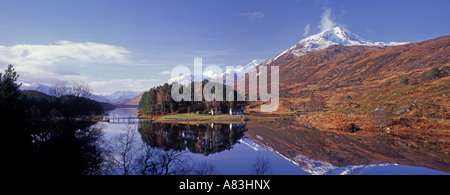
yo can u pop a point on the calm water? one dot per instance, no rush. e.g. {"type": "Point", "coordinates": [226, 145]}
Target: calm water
{"type": "Point", "coordinates": [237, 148]}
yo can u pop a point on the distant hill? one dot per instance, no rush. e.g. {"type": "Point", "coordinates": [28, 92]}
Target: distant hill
{"type": "Point", "coordinates": [119, 98]}
{"type": "Point", "coordinates": [35, 87]}
{"type": "Point", "coordinates": [46, 89]}
{"type": "Point", "coordinates": [225, 77]}
{"type": "Point", "coordinates": [37, 96]}
{"type": "Point", "coordinates": [131, 102]}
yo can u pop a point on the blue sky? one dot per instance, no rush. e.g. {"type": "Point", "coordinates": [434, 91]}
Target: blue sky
{"type": "Point", "coordinates": [132, 45]}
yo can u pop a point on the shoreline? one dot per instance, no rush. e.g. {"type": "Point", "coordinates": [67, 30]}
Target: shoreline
{"type": "Point", "coordinates": [225, 118]}
{"type": "Point", "coordinates": [410, 131]}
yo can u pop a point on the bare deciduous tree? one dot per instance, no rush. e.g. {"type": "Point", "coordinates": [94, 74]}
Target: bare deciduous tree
{"type": "Point", "coordinates": [204, 168]}
{"type": "Point", "coordinates": [121, 153]}
{"type": "Point", "coordinates": [153, 161]}
{"type": "Point", "coordinates": [124, 157]}
{"type": "Point", "coordinates": [171, 162]}
{"type": "Point", "coordinates": [147, 161]}
{"type": "Point", "coordinates": [261, 166]}
{"type": "Point", "coordinates": [59, 89]}
{"type": "Point", "coordinates": [80, 89]}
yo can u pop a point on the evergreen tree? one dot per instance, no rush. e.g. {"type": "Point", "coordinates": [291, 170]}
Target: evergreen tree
{"type": "Point", "coordinates": [14, 137]}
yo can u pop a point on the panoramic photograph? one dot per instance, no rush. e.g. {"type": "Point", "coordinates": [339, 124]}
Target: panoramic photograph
{"type": "Point", "coordinates": [224, 87]}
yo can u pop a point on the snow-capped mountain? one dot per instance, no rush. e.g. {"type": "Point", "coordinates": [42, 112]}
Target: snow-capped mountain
{"type": "Point", "coordinates": [252, 65]}
{"type": "Point", "coordinates": [46, 89]}
{"type": "Point", "coordinates": [121, 95]}
{"type": "Point", "coordinates": [226, 77]}
{"type": "Point", "coordinates": [325, 39]}
{"type": "Point", "coordinates": [115, 97]}
{"type": "Point", "coordinates": [185, 79]}
{"type": "Point", "coordinates": [99, 98]}
{"type": "Point", "coordinates": [316, 167]}
{"type": "Point", "coordinates": [36, 87]}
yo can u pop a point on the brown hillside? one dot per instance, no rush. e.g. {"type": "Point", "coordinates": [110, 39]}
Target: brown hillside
{"type": "Point", "coordinates": [131, 102]}
{"type": "Point", "coordinates": [356, 81]}
{"type": "Point", "coordinates": [339, 71]}
{"type": "Point", "coordinates": [341, 64]}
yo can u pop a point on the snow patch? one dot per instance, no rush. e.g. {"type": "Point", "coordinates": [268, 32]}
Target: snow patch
{"type": "Point", "coordinates": [327, 38]}
{"type": "Point", "coordinates": [227, 77]}
{"type": "Point", "coordinates": [323, 168]}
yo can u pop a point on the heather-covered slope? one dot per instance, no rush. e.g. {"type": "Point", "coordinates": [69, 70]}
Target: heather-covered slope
{"type": "Point", "coordinates": [371, 74]}
{"type": "Point", "coordinates": [401, 91]}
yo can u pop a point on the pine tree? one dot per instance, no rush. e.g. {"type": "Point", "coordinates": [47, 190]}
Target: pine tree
{"type": "Point", "coordinates": [15, 139]}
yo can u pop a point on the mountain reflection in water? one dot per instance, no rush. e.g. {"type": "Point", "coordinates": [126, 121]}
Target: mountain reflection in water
{"type": "Point", "coordinates": [321, 152]}
{"type": "Point", "coordinates": [288, 146]}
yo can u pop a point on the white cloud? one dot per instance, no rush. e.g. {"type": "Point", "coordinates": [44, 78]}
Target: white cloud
{"type": "Point", "coordinates": [253, 15]}
{"type": "Point", "coordinates": [307, 28]}
{"type": "Point", "coordinates": [326, 21]}
{"type": "Point", "coordinates": [45, 63]}
{"type": "Point", "coordinates": [110, 86]}
{"type": "Point", "coordinates": [65, 50]}
{"type": "Point", "coordinates": [167, 72]}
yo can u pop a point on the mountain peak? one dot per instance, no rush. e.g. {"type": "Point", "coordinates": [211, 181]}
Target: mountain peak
{"type": "Point", "coordinates": [334, 36]}
{"type": "Point", "coordinates": [336, 30]}
{"type": "Point", "coordinates": [339, 33]}
{"type": "Point", "coordinates": [121, 95]}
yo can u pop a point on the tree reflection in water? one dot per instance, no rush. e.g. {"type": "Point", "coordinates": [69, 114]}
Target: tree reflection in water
{"type": "Point", "coordinates": [203, 139]}
{"type": "Point", "coordinates": [164, 148]}
{"type": "Point", "coordinates": [65, 147]}
{"type": "Point", "coordinates": [71, 147]}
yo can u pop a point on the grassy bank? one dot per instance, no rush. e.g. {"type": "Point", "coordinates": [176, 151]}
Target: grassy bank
{"type": "Point", "coordinates": [201, 117]}
{"type": "Point", "coordinates": [218, 118]}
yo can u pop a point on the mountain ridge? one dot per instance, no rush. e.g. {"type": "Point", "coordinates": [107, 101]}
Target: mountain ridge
{"type": "Point", "coordinates": [333, 36]}
{"type": "Point", "coordinates": [116, 98]}
{"type": "Point", "coordinates": [226, 77]}
{"type": "Point", "coordinates": [400, 91]}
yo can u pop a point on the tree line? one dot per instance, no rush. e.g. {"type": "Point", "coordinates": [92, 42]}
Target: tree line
{"type": "Point", "coordinates": [41, 134]}
{"type": "Point", "coordinates": [158, 101]}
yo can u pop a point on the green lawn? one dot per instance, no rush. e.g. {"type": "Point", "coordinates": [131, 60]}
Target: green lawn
{"type": "Point", "coordinates": [203, 116]}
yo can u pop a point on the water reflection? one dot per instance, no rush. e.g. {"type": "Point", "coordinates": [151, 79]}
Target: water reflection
{"type": "Point", "coordinates": [199, 139]}
{"type": "Point", "coordinates": [125, 156]}
{"type": "Point", "coordinates": [66, 147]}
{"type": "Point", "coordinates": [167, 149]}
{"type": "Point", "coordinates": [290, 147]}
{"type": "Point", "coordinates": [321, 152]}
